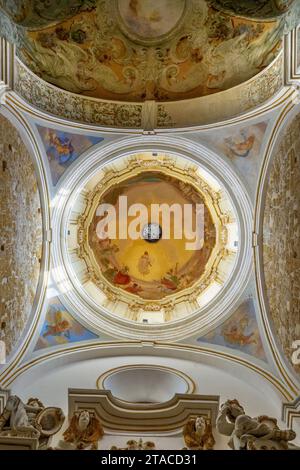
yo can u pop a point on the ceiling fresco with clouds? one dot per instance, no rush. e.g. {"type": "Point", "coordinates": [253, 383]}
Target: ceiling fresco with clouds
{"type": "Point", "coordinates": [135, 50]}
{"type": "Point", "coordinates": [63, 148]}
{"type": "Point", "coordinates": [239, 332]}
{"type": "Point", "coordinates": [60, 328]}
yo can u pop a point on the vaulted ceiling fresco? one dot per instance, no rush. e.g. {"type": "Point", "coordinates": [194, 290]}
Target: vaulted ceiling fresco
{"type": "Point", "coordinates": [60, 328]}
{"type": "Point", "coordinates": [240, 332]}
{"type": "Point", "coordinates": [38, 13]}
{"type": "Point", "coordinates": [149, 260]}
{"type": "Point", "coordinates": [34, 13]}
{"type": "Point", "coordinates": [132, 50]}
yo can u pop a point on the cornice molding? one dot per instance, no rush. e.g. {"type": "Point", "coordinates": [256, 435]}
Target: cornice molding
{"type": "Point", "coordinates": [292, 59]}
{"type": "Point", "coordinates": [117, 416]}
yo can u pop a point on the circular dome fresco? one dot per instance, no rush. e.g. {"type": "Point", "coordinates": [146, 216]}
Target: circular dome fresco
{"type": "Point", "coordinates": [151, 238]}
{"type": "Point", "coordinates": [158, 263]}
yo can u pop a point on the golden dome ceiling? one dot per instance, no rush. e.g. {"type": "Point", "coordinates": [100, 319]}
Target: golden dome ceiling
{"type": "Point", "coordinates": [152, 273]}
{"type": "Point", "coordinates": [137, 50]}
{"type": "Point", "coordinates": [151, 269]}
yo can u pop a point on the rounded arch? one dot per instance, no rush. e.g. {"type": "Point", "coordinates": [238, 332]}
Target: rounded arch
{"type": "Point", "coordinates": [284, 123]}
{"type": "Point", "coordinates": [130, 353]}
{"type": "Point", "coordinates": [23, 129]}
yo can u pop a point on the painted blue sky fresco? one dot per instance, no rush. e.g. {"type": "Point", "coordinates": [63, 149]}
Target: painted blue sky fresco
{"type": "Point", "coordinates": [239, 332]}
{"type": "Point", "coordinates": [63, 148]}
{"type": "Point", "coordinates": [61, 328]}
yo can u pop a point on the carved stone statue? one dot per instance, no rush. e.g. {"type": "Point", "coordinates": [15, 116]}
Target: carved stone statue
{"type": "Point", "coordinates": [30, 420]}
{"type": "Point", "coordinates": [260, 433]}
{"type": "Point", "coordinates": [198, 435]}
{"type": "Point", "coordinates": [136, 445]}
{"type": "Point", "coordinates": [15, 420]}
{"type": "Point", "coordinates": [84, 431]}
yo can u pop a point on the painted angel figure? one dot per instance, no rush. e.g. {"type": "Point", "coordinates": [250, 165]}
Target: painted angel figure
{"type": "Point", "coordinates": [60, 327]}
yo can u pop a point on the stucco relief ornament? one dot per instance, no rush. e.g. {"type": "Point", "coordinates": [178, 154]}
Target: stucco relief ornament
{"type": "Point", "coordinates": [38, 13]}
{"type": "Point", "coordinates": [136, 445]}
{"type": "Point", "coordinates": [246, 433]}
{"type": "Point", "coordinates": [30, 420]}
{"type": "Point", "coordinates": [197, 434]}
{"type": "Point", "coordinates": [83, 433]}
{"type": "Point", "coordinates": [253, 8]}
{"type": "Point", "coordinates": [74, 107]}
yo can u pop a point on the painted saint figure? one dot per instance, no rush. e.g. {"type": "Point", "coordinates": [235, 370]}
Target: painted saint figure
{"type": "Point", "coordinates": [144, 264]}
{"type": "Point", "coordinates": [240, 147]}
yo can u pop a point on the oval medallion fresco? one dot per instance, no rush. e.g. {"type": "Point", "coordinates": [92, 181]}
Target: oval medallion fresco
{"type": "Point", "coordinates": [157, 265]}
{"type": "Point", "coordinates": [150, 20]}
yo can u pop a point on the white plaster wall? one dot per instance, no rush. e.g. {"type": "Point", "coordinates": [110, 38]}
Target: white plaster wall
{"type": "Point", "coordinates": [51, 385]}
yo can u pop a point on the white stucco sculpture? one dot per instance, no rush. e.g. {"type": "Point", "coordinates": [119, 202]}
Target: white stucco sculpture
{"type": "Point", "coordinates": [30, 420]}
{"type": "Point", "coordinates": [259, 433]}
